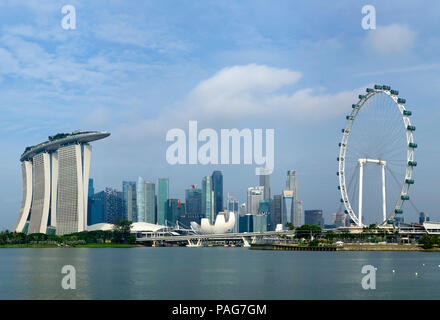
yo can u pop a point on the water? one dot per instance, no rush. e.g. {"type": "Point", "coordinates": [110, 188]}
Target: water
{"type": "Point", "coordinates": [215, 273]}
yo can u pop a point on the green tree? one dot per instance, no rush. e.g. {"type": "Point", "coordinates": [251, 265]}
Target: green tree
{"type": "Point", "coordinates": [290, 226]}
{"type": "Point", "coordinates": [306, 231]}
{"type": "Point", "coordinates": [121, 231]}
{"type": "Point", "coordinates": [427, 241]}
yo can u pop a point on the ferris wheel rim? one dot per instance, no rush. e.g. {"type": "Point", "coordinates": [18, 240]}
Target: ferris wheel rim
{"type": "Point", "coordinates": [410, 150]}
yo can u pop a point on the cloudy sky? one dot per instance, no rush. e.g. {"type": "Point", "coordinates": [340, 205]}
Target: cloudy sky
{"type": "Point", "coordinates": [140, 68]}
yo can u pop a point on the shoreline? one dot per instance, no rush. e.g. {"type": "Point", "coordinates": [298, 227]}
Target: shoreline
{"type": "Point", "coordinates": [92, 245]}
{"type": "Point", "coordinates": [273, 247]}
{"type": "Point", "coordinates": [346, 247]}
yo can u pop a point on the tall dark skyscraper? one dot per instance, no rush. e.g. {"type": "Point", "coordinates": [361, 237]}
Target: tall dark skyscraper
{"type": "Point", "coordinates": [217, 188]}
{"type": "Point", "coordinates": [193, 200]}
{"type": "Point", "coordinates": [113, 204]}
{"type": "Point", "coordinates": [97, 209]}
{"type": "Point", "coordinates": [276, 210]}
{"type": "Point", "coordinates": [314, 217]}
{"type": "Point", "coordinates": [173, 209]}
{"type": "Point", "coordinates": [90, 200]}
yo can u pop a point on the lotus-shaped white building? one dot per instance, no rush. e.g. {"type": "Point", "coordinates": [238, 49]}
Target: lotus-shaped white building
{"type": "Point", "coordinates": [221, 225]}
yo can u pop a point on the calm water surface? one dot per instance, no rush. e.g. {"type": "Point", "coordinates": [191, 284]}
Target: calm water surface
{"type": "Point", "coordinates": [215, 273]}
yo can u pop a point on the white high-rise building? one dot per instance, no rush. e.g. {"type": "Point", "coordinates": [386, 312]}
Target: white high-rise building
{"type": "Point", "coordinates": [265, 182]}
{"type": "Point", "coordinates": [55, 184]}
{"type": "Point", "coordinates": [292, 185]}
{"type": "Point", "coordinates": [242, 209]}
{"type": "Point", "coordinates": [255, 195]}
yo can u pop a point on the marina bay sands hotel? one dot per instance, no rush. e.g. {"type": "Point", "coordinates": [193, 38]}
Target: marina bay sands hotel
{"type": "Point", "coordinates": [55, 184]}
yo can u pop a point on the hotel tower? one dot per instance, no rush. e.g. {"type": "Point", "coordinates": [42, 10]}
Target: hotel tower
{"type": "Point", "coordinates": [55, 184]}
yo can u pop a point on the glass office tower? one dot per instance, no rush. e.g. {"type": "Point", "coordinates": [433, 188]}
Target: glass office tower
{"type": "Point", "coordinates": [193, 200]}
{"type": "Point", "coordinates": [140, 200]}
{"type": "Point", "coordinates": [126, 185]}
{"type": "Point", "coordinates": [163, 195]}
{"type": "Point", "coordinates": [208, 199]}
{"type": "Point", "coordinates": [217, 188]}
{"type": "Point", "coordinates": [150, 202]}
{"type": "Point", "coordinates": [131, 203]}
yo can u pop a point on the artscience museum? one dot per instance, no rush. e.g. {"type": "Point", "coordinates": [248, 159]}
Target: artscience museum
{"type": "Point", "coordinates": [220, 226]}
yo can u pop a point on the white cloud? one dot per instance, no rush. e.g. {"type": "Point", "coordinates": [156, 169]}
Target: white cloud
{"type": "Point", "coordinates": [390, 39]}
{"type": "Point", "coordinates": [239, 91]}
{"type": "Point", "coordinates": [246, 93]}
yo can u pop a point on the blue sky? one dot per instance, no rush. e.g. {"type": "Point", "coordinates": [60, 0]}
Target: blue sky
{"type": "Point", "coordinates": [141, 68]}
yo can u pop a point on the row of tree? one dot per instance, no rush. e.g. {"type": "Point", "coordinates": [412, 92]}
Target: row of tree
{"type": "Point", "coordinates": [119, 234]}
{"type": "Point", "coordinates": [369, 233]}
{"type": "Point", "coordinates": [429, 241]}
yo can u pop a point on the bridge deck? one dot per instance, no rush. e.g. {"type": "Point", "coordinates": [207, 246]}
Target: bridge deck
{"type": "Point", "coordinates": [213, 237]}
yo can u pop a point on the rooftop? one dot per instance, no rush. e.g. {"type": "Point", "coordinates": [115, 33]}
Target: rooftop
{"type": "Point", "coordinates": [55, 142]}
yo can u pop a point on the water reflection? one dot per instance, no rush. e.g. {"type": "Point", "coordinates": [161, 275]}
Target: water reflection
{"type": "Point", "coordinates": [215, 273]}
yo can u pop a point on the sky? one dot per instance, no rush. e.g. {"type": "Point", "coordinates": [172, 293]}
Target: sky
{"type": "Point", "coordinates": [138, 69]}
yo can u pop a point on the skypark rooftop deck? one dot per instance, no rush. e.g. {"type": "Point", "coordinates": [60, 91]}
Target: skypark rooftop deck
{"type": "Point", "coordinates": [54, 143]}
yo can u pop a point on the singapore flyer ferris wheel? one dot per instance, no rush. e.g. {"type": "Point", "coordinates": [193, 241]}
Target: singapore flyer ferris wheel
{"type": "Point", "coordinates": [376, 157]}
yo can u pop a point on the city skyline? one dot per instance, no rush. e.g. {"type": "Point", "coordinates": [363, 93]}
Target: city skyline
{"type": "Point", "coordinates": [296, 68]}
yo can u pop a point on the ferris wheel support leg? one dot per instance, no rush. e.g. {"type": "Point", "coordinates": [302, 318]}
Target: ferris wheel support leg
{"type": "Point", "coordinates": [361, 177]}
{"type": "Point", "coordinates": [384, 201]}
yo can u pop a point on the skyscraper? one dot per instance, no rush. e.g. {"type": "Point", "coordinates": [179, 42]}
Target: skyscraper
{"type": "Point", "coordinates": [246, 223]}
{"type": "Point", "coordinates": [150, 202]}
{"type": "Point", "coordinates": [97, 209]}
{"type": "Point", "coordinates": [314, 217]}
{"type": "Point", "coordinates": [90, 200]}
{"type": "Point", "coordinates": [125, 186]}
{"type": "Point", "coordinates": [217, 188]}
{"type": "Point", "coordinates": [254, 196]}
{"type": "Point", "coordinates": [208, 199]}
{"type": "Point", "coordinates": [162, 197]}
{"type": "Point", "coordinates": [265, 182]}
{"type": "Point", "coordinates": [232, 206]}
{"type": "Point", "coordinates": [242, 210]}
{"type": "Point", "coordinates": [140, 200]}
{"type": "Point", "coordinates": [172, 211]}
{"type": "Point", "coordinates": [276, 210]}
{"type": "Point", "coordinates": [287, 207]}
{"type": "Point", "coordinates": [291, 182]}
{"type": "Point", "coordinates": [423, 218]}
{"type": "Point", "coordinates": [91, 188]}
{"type": "Point", "coordinates": [113, 204]}
{"type": "Point", "coordinates": [260, 223]}
{"type": "Point", "coordinates": [55, 183]}
{"type": "Point", "coordinates": [193, 200]}
{"type": "Point", "coordinates": [298, 213]}
{"type": "Point", "coordinates": [292, 185]}
{"type": "Point", "coordinates": [131, 203]}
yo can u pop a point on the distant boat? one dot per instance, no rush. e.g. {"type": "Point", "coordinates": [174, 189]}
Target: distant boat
{"type": "Point", "coordinates": [194, 245]}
